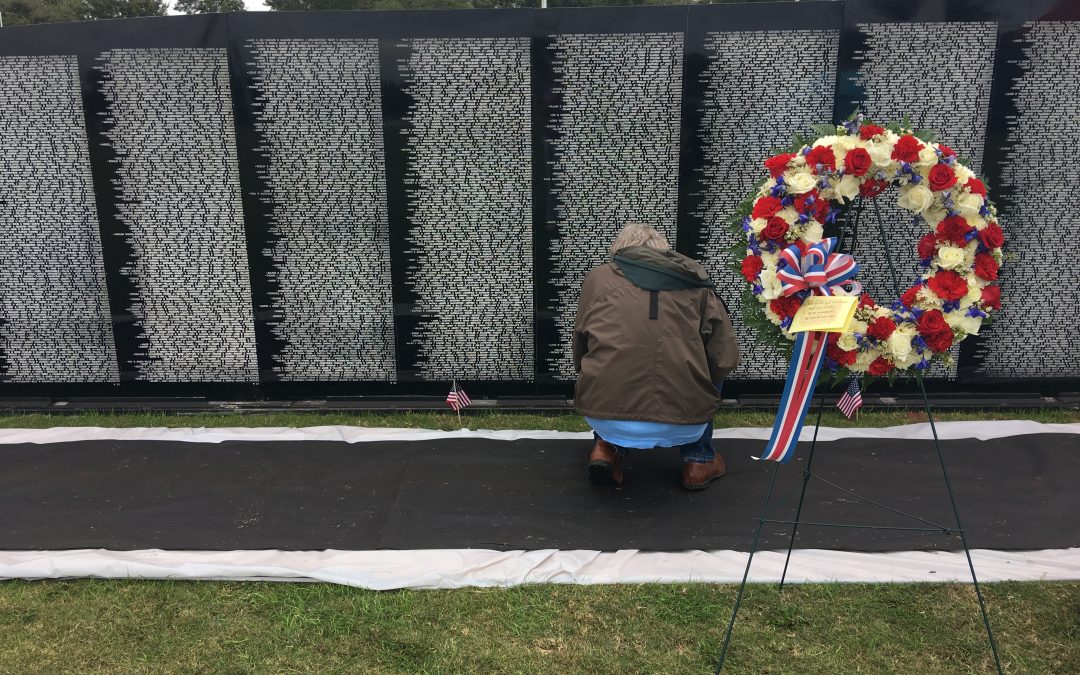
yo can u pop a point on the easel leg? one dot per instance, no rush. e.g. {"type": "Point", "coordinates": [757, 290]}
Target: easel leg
{"type": "Point", "coordinates": [746, 572]}
{"type": "Point", "coordinates": [941, 459]}
{"type": "Point", "coordinates": [963, 533]}
{"type": "Point", "coordinates": [802, 494]}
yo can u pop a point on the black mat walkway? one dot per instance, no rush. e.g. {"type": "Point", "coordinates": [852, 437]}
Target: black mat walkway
{"type": "Point", "coordinates": [1014, 493]}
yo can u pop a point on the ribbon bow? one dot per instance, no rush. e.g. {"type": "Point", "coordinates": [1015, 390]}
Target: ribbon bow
{"type": "Point", "coordinates": [822, 272]}
{"type": "Point", "coordinates": [817, 269]}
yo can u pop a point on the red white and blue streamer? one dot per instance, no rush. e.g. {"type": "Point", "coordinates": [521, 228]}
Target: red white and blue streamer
{"type": "Point", "coordinates": [821, 272]}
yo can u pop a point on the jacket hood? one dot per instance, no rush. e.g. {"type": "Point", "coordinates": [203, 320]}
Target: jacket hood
{"type": "Point", "coordinates": [661, 270]}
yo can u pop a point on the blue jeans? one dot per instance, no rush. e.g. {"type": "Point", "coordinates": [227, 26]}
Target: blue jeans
{"type": "Point", "coordinates": [700, 450]}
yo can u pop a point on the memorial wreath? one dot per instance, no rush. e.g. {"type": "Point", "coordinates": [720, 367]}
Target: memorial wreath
{"type": "Point", "coordinates": [788, 258]}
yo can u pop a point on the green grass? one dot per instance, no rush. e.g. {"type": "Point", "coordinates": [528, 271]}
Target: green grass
{"type": "Point", "coordinates": [188, 627]}
{"type": "Point", "coordinates": [479, 419]}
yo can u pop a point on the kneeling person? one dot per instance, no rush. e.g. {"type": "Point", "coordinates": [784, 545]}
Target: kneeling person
{"type": "Point", "coordinates": [652, 345]}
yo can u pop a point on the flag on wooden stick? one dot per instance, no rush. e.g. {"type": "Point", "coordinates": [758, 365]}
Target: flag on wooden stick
{"type": "Point", "coordinates": [852, 398]}
{"type": "Point", "coordinates": [457, 398]}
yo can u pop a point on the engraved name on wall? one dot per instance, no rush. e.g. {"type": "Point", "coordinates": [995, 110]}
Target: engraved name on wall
{"type": "Point", "coordinates": [614, 157]}
{"type": "Point", "coordinates": [55, 324]}
{"type": "Point", "coordinates": [737, 132]}
{"type": "Point", "coordinates": [169, 121]}
{"type": "Point", "coordinates": [318, 114]}
{"type": "Point", "coordinates": [469, 184]}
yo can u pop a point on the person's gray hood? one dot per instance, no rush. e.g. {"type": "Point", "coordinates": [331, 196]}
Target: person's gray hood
{"type": "Point", "coordinates": [661, 270]}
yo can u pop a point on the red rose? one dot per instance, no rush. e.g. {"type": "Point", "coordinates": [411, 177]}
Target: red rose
{"type": "Point", "coordinates": [844, 358]}
{"type": "Point", "coordinates": [910, 296]}
{"type": "Point", "coordinates": [857, 162]}
{"type": "Point", "coordinates": [927, 246]}
{"type": "Point", "coordinates": [976, 187]}
{"type": "Point", "coordinates": [872, 188]}
{"type": "Point", "coordinates": [953, 229]}
{"type": "Point", "coordinates": [939, 341]}
{"type": "Point", "coordinates": [751, 267]}
{"type": "Point", "coordinates": [992, 236]}
{"type": "Point", "coordinates": [881, 328]}
{"type": "Point", "coordinates": [822, 155]}
{"type": "Point", "coordinates": [907, 149]}
{"type": "Point", "coordinates": [946, 151]}
{"type": "Point", "coordinates": [942, 177]}
{"type": "Point", "coordinates": [776, 229]}
{"type": "Point", "coordinates": [986, 267]}
{"type": "Point", "coordinates": [880, 366]}
{"type": "Point", "coordinates": [778, 164]}
{"type": "Point", "coordinates": [948, 285]}
{"type": "Point", "coordinates": [804, 201]}
{"type": "Point", "coordinates": [866, 301]}
{"type": "Point", "coordinates": [991, 297]}
{"type": "Point", "coordinates": [868, 131]}
{"type": "Point", "coordinates": [931, 322]}
{"type": "Point", "coordinates": [765, 207]}
{"type": "Point", "coordinates": [785, 307]}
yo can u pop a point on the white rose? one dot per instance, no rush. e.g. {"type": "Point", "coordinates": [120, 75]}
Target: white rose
{"type": "Point", "coordinates": [847, 342]}
{"type": "Point", "coordinates": [848, 189]}
{"type": "Point", "coordinates": [917, 198]}
{"type": "Point", "coordinates": [968, 204]}
{"type": "Point", "coordinates": [847, 143]}
{"type": "Point", "coordinates": [927, 156]}
{"type": "Point", "coordinates": [950, 257]}
{"type": "Point", "coordinates": [771, 287]}
{"type": "Point", "coordinates": [757, 225]}
{"type": "Point", "coordinates": [814, 232]}
{"type": "Point", "coordinates": [800, 182]}
{"type": "Point", "coordinates": [974, 295]}
{"type": "Point", "coordinates": [900, 345]}
{"type": "Point", "coordinates": [961, 321]}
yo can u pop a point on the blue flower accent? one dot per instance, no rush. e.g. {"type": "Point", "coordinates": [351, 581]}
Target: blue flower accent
{"type": "Point", "coordinates": [919, 343]}
{"type": "Point", "coordinates": [757, 289]}
{"type": "Point", "coordinates": [803, 217]}
{"type": "Point", "coordinates": [923, 364]}
{"type": "Point", "coordinates": [925, 262]}
{"type": "Point", "coordinates": [950, 305]}
{"type": "Point", "coordinates": [787, 201]}
{"type": "Point", "coordinates": [916, 178]}
{"type": "Point", "coordinates": [833, 214]}
{"type": "Point", "coordinates": [786, 322]}
{"type": "Point", "coordinates": [746, 224]}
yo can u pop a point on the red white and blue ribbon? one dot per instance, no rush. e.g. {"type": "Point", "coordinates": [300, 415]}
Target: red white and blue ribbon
{"type": "Point", "coordinates": [821, 272]}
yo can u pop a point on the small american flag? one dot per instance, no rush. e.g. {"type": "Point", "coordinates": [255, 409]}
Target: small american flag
{"type": "Point", "coordinates": [457, 398]}
{"type": "Point", "coordinates": [852, 398]}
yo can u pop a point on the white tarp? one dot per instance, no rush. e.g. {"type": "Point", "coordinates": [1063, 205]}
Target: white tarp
{"type": "Point", "coordinates": [385, 570]}
{"type": "Point", "coordinates": [984, 430]}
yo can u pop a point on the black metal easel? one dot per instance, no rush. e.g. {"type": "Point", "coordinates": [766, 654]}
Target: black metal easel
{"type": "Point", "coordinates": [928, 526]}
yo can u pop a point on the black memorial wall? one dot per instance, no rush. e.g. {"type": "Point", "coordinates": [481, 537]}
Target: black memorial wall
{"type": "Point", "coordinates": [374, 203]}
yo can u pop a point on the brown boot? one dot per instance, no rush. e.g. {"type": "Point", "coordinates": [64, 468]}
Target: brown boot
{"type": "Point", "coordinates": [698, 475]}
{"type": "Point", "coordinates": [605, 465]}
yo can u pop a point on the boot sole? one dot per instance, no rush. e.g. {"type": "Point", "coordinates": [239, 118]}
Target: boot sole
{"type": "Point", "coordinates": [694, 487]}
{"type": "Point", "coordinates": [600, 473]}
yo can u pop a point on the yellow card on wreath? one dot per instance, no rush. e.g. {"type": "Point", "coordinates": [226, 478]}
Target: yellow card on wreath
{"type": "Point", "coordinates": [827, 313]}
